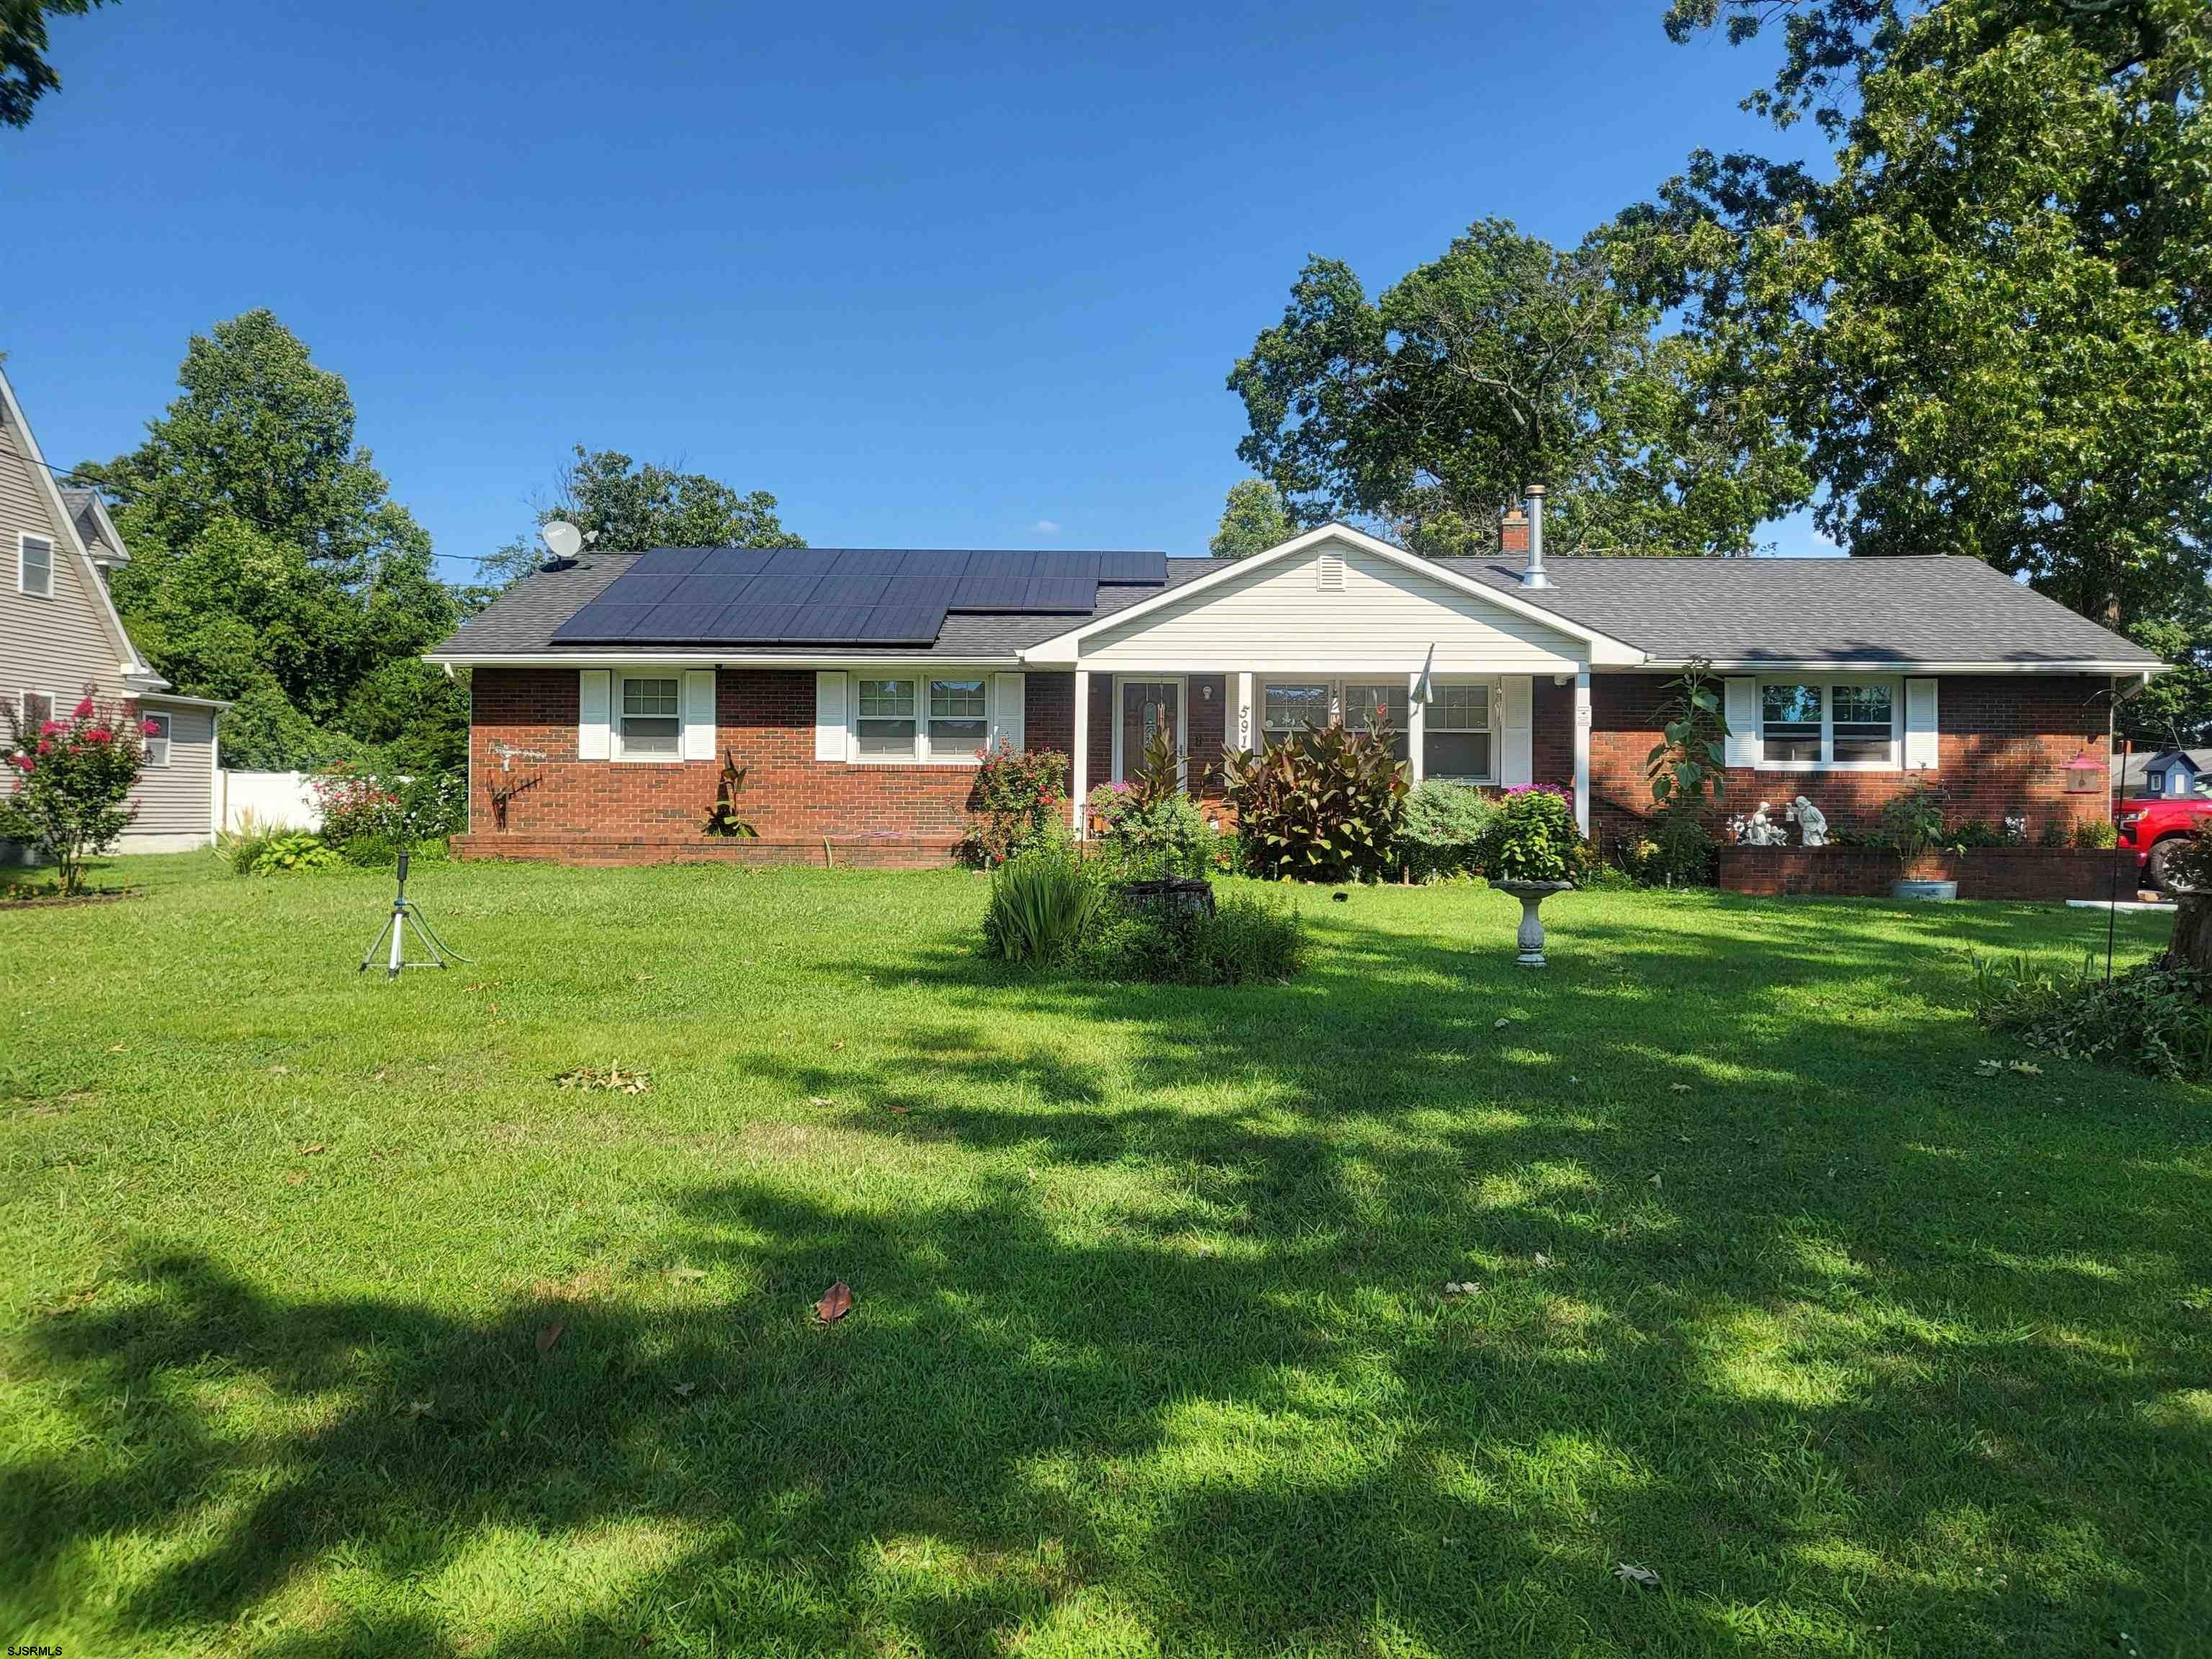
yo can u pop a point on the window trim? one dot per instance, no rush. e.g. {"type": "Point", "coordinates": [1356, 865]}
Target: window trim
{"type": "Point", "coordinates": [618, 738]}
{"type": "Point", "coordinates": [167, 739]}
{"type": "Point", "coordinates": [1331, 692]}
{"type": "Point", "coordinates": [921, 679]}
{"type": "Point", "coordinates": [23, 540]}
{"type": "Point", "coordinates": [1828, 684]}
{"type": "Point", "coordinates": [1495, 700]}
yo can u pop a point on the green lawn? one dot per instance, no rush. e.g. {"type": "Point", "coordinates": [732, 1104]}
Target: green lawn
{"type": "Point", "coordinates": [1860, 1350]}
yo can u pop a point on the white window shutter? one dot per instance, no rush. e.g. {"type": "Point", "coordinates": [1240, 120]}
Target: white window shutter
{"type": "Point", "coordinates": [1517, 766]}
{"type": "Point", "coordinates": [1920, 746]}
{"type": "Point", "coordinates": [1009, 708]}
{"type": "Point", "coordinates": [1741, 706]}
{"type": "Point", "coordinates": [594, 703]}
{"type": "Point", "coordinates": [698, 713]}
{"type": "Point", "coordinates": [830, 716]}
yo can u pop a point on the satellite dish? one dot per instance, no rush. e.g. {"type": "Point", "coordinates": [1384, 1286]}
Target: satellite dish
{"type": "Point", "coordinates": [562, 540]}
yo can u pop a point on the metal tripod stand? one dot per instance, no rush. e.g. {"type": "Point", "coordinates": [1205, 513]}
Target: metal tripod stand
{"type": "Point", "coordinates": [406, 913]}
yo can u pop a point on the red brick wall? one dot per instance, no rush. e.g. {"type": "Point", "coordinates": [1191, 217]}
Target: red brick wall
{"type": "Point", "coordinates": [764, 716]}
{"type": "Point", "coordinates": [1048, 712]}
{"type": "Point", "coordinates": [1552, 733]}
{"type": "Point", "coordinates": [2002, 742]}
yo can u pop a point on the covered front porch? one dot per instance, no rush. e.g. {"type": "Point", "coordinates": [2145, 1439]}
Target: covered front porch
{"type": "Point", "coordinates": [1481, 725]}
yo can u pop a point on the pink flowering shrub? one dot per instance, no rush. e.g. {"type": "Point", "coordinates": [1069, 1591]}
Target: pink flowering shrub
{"type": "Point", "coordinates": [1019, 794]}
{"type": "Point", "coordinates": [72, 782]}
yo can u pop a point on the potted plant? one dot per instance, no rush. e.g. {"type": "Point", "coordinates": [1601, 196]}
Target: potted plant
{"type": "Point", "coordinates": [1912, 825]}
{"type": "Point", "coordinates": [1530, 850]}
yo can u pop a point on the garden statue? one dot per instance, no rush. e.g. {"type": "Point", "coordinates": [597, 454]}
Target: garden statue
{"type": "Point", "coordinates": [1760, 830]}
{"type": "Point", "coordinates": [1812, 822]}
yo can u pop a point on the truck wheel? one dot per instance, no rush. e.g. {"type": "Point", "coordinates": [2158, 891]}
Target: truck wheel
{"type": "Point", "coordinates": [2154, 866]}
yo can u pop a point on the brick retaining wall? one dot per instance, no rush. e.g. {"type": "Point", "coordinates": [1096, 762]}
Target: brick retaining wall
{"type": "Point", "coordinates": [1987, 873]}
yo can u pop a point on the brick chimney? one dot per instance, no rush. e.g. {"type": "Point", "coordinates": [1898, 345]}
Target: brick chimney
{"type": "Point", "coordinates": [1513, 534]}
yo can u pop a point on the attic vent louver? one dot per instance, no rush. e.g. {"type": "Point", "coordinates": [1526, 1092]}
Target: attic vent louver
{"type": "Point", "coordinates": [1329, 572]}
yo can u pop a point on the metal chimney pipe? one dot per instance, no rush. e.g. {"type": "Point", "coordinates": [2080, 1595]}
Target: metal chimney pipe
{"type": "Point", "coordinates": [1534, 575]}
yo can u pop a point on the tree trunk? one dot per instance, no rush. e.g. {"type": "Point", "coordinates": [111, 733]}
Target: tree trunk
{"type": "Point", "coordinates": [2191, 945]}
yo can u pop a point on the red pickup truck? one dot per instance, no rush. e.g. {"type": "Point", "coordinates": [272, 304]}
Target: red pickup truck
{"type": "Point", "coordinates": [2154, 826]}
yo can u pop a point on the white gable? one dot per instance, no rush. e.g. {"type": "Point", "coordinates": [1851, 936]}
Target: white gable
{"type": "Point", "coordinates": [1333, 606]}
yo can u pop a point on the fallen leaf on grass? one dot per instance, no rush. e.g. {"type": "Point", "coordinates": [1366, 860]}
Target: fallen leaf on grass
{"type": "Point", "coordinates": [687, 1272]}
{"type": "Point", "coordinates": [1541, 1259]}
{"type": "Point", "coordinates": [835, 1047]}
{"type": "Point", "coordinates": [549, 1337]}
{"type": "Point", "coordinates": [612, 1079]}
{"type": "Point", "coordinates": [820, 1100]}
{"type": "Point", "coordinates": [1642, 1578]}
{"type": "Point", "coordinates": [418, 1408]}
{"type": "Point", "coordinates": [314, 1148]}
{"type": "Point", "coordinates": [281, 1071]}
{"type": "Point", "coordinates": [1679, 1088]}
{"type": "Point", "coordinates": [2025, 1067]}
{"type": "Point", "coordinates": [684, 1390]}
{"type": "Point", "coordinates": [117, 1048]}
{"type": "Point", "coordinates": [835, 1303]}
{"type": "Point", "coordinates": [1655, 1180]}
{"type": "Point", "coordinates": [1503, 1024]}
{"type": "Point", "coordinates": [901, 1111]}
{"type": "Point", "coordinates": [294, 1177]}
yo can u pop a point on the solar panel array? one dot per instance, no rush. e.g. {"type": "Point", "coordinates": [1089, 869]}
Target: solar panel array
{"type": "Point", "coordinates": [840, 596]}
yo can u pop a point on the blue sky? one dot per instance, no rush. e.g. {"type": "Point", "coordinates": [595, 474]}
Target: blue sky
{"type": "Point", "coordinates": [957, 276]}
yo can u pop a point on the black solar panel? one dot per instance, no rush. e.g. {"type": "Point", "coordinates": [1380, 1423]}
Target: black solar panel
{"type": "Point", "coordinates": [832, 596]}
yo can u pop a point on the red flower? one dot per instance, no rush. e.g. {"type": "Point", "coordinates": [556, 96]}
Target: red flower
{"type": "Point", "coordinates": [24, 762]}
{"type": "Point", "coordinates": [48, 728]}
{"type": "Point", "coordinates": [83, 710]}
{"type": "Point", "coordinates": [45, 745]}
{"type": "Point", "coordinates": [101, 734]}
{"type": "Point", "coordinates": [150, 728]}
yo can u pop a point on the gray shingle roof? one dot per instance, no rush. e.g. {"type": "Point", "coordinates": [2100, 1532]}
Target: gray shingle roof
{"type": "Point", "coordinates": [1937, 609]}
{"type": "Point", "coordinates": [1921, 610]}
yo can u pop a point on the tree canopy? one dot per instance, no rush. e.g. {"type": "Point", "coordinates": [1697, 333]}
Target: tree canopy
{"type": "Point", "coordinates": [270, 567]}
{"type": "Point", "coordinates": [1503, 363]}
{"type": "Point", "coordinates": [26, 77]}
{"type": "Point", "coordinates": [1991, 324]}
{"type": "Point", "coordinates": [1253, 519]}
{"type": "Point", "coordinates": [624, 506]}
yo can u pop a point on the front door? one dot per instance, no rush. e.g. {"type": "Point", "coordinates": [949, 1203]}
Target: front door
{"type": "Point", "coordinates": [1147, 707]}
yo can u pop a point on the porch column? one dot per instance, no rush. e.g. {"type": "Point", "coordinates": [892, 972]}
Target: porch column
{"type": "Point", "coordinates": [1243, 737]}
{"type": "Point", "coordinates": [1081, 758]}
{"type": "Point", "coordinates": [1582, 749]}
{"type": "Point", "coordinates": [1417, 725]}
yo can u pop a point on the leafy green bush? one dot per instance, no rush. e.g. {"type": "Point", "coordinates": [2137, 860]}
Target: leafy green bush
{"type": "Point", "coordinates": [2096, 833]}
{"type": "Point", "coordinates": [1532, 838]}
{"type": "Point", "coordinates": [1043, 902]}
{"type": "Point", "coordinates": [1163, 836]}
{"type": "Point", "coordinates": [1246, 941]}
{"type": "Point", "coordinates": [1438, 829]}
{"type": "Point", "coordinates": [1680, 852]}
{"type": "Point", "coordinates": [294, 850]}
{"type": "Point", "coordinates": [2147, 1019]}
{"type": "Point", "coordinates": [1321, 807]}
{"type": "Point", "coordinates": [357, 802]}
{"type": "Point", "coordinates": [382, 852]}
{"type": "Point", "coordinates": [1912, 821]}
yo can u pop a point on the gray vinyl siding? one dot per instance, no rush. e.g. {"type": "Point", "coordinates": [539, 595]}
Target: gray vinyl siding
{"type": "Point", "coordinates": [179, 799]}
{"type": "Point", "coordinates": [57, 645]}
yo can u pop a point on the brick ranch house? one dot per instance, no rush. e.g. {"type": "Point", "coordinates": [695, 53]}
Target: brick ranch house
{"type": "Point", "coordinates": [858, 685]}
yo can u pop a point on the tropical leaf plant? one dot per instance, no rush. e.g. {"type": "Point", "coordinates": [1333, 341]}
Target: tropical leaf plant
{"type": "Point", "coordinates": [1322, 806]}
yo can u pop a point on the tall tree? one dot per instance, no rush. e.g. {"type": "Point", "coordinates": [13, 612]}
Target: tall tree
{"type": "Point", "coordinates": [269, 564]}
{"type": "Point", "coordinates": [626, 507]}
{"type": "Point", "coordinates": [1253, 519]}
{"type": "Point", "coordinates": [1992, 321]}
{"type": "Point", "coordinates": [26, 77]}
{"type": "Point", "coordinates": [1507, 363]}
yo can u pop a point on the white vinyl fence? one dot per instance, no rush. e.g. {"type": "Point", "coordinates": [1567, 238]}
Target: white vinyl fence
{"type": "Point", "coordinates": [272, 799]}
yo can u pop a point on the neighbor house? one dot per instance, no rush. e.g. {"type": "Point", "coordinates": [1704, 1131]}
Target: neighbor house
{"type": "Point", "coordinates": [60, 634]}
{"type": "Point", "coordinates": [858, 686]}
{"type": "Point", "coordinates": [2170, 772]}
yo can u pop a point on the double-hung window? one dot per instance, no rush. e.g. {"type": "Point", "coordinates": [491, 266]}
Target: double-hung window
{"type": "Point", "coordinates": [37, 708]}
{"type": "Point", "coordinates": [1379, 707]}
{"type": "Point", "coordinates": [34, 565]}
{"type": "Point", "coordinates": [648, 723]}
{"type": "Point", "coordinates": [1455, 736]}
{"type": "Point", "coordinates": [1805, 723]}
{"type": "Point", "coordinates": [1290, 709]}
{"type": "Point", "coordinates": [157, 739]}
{"type": "Point", "coordinates": [921, 719]}
{"type": "Point", "coordinates": [959, 717]}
